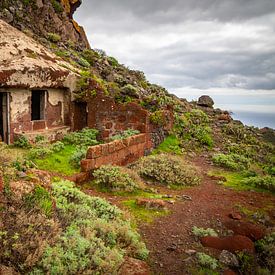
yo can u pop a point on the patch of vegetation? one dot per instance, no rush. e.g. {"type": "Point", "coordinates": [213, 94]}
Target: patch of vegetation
{"type": "Point", "coordinates": [85, 235]}
{"type": "Point", "coordinates": [143, 214]}
{"type": "Point", "coordinates": [247, 262]}
{"type": "Point", "coordinates": [83, 62]}
{"type": "Point", "coordinates": [207, 261]}
{"type": "Point", "coordinates": [157, 118]}
{"type": "Point", "coordinates": [115, 178]}
{"type": "Point", "coordinates": [193, 126]}
{"type": "Point", "coordinates": [22, 142]}
{"type": "Point", "coordinates": [57, 6]}
{"type": "Point", "coordinates": [78, 155]}
{"type": "Point", "coordinates": [201, 232]}
{"type": "Point", "coordinates": [54, 37]}
{"type": "Point", "coordinates": [85, 137]}
{"type": "Point", "coordinates": [167, 170]}
{"type": "Point", "coordinates": [231, 161]}
{"type": "Point", "coordinates": [58, 162]}
{"type": "Point", "coordinates": [112, 61]}
{"type": "Point", "coordinates": [41, 198]}
{"type": "Point", "coordinates": [171, 144]}
{"type": "Point", "coordinates": [125, 134]}
{"type": "Point", "coordinates": [263, 182]}
{"type": "Point", "coordinates": [266, 251]}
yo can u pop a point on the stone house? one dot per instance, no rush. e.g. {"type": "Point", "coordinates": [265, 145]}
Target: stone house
{"type": "Point", "coordinates": [35, 88]}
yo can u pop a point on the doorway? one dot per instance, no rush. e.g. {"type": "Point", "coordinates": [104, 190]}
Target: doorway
{"type": "Point", "coordinates": [80, 115]}
{"type": "Point", "coordinates": [3, 117]}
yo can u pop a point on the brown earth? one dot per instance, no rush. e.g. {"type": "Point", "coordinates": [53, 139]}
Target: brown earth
{"type": "Point", "coordinates": [169, 237]}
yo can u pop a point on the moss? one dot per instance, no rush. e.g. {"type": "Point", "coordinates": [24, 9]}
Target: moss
{"type": "Point", "coordinates": [171, 144]}
{"type": "Point", "coordinates": [142, 214]}
{"type": "Point", "coordinates": [58, 162]}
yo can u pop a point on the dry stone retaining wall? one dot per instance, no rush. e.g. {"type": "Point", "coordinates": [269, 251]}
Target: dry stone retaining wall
{"type": "Point", "coordinates": [118, 152]}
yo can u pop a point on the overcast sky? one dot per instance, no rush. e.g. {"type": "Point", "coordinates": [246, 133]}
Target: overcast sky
{"type": "Point", "coordinates": [217, 47]}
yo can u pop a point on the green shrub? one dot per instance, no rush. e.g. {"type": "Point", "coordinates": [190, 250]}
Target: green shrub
{"type": "Point", "coordinates": [57, 6]}
{"type": "Point", "coordinates": [85, 137]}
{"type": "Point", "coordinates": [201, 232]}
{"type": "Point", "coordinates": [41, 198]}
{"type": "Point", "coordinates": [22, 142]}
{"type": "Point", "coordinates": [116, 178]}
{"type": "Point", "coordinates": [39, 138]}
{"type": "Point", "coordinates": [23, 165]}
{"type": "Point", "coordinates": [83, 62]}
{"type": "Point", "coordinates": [57, 146]}
{"type": "Point", "coordinates": [125, 134]}
{"type": "Point", "coordinates": [112, 61]}
{"type": "Point", "coordinates": [264, 182]}
{"type": "Point", "coordinates": [168, 170]}
{"type": "Point", "coordinates": [40, 152]}
{"type": "Point", "coordinates": [96, 237]}
{"type": "Point", "coordinates": [78, 155]}
{"type": "Point", "coordinates": [197, 117]}
{"type": "Point", "coordinates": [266, 251]}
{"type": "Point", "coordinates": [157, 118]}
{"type": "Point", "coordinates": [231, 161]}
{"type": "Point", "coordinates": [130, 91]}
{"type": "Point", "coordinates": [207, 261]}
{"type": "Point", "coordinates": [53, 37]}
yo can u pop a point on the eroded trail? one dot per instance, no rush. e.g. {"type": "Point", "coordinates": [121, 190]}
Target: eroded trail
{"type": "Point", "coordinates": [169, 237]}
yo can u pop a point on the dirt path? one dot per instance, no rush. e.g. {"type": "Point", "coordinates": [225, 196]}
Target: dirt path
{"type": "Point", "coordinates": [169, 237]}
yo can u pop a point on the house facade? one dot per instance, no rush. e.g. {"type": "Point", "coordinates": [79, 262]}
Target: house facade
{"type": "Point", "coordinates": [35, 88]}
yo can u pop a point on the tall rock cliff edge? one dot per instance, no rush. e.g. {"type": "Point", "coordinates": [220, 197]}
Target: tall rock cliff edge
{"type": "Point", "coordinates": [41, 17]}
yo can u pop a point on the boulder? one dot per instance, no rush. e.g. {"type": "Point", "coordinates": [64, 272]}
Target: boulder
{"type": "Point", "coordinates": [253, 231]}
{"type": "Point", "coordinates": [133, 266]}
{"type": "Point", "coordinates": [228, 258]}
{"type": "Point", "coordinates": [206, 101]}
{"type": "Point", "coordinates": [232, 243]}
{"type": "Point", "coordinates": [235, 216]}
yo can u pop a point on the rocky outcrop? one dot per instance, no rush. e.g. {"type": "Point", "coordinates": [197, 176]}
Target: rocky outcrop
{"type": "Point", "coordinates": [42, 17]}
{"type": "Point", "coordinates": [206, 101]}
{"type": "Point", "coordinates": [25, 63]}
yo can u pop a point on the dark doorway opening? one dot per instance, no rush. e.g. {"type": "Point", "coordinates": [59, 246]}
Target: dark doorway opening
{"type": "Point", "coordinates": [38, 105]}
{"type": "Point", "coordinates": [80, 115]}
{"type": "Point", "coordinates": [3, 117]}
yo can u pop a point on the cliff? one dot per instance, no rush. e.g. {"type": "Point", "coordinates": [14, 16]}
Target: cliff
{"type": "Point", "coordinates": [40, 17]}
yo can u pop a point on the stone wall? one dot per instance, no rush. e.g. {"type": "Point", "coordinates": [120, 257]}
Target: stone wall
{"type": "Point", "coordinates": [119, 152]}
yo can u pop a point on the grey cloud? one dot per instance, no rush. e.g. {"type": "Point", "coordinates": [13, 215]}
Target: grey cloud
{"type": "Point", "coordinates": [179, 43]}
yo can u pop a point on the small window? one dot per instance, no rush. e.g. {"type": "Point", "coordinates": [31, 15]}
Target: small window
{"type": "Point", "coordinates": [38, 105]}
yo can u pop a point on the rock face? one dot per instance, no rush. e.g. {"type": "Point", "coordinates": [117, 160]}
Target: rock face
{"type": "Point", "coordinates": [231, 244]}
{"type": "Point", "coordinates": [43, 17]}
{"type": "Point", "coordinates": [206, 101]}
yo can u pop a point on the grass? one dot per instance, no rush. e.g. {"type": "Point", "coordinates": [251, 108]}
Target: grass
{"type": "Point", "coordinates": [58, 162]}
{"type": "Point", "coordinates": [142, 214]}
{"type": "Point", "coordinates": [12, 153]}
{"type": "Point", "coordinates": [170, 145]}
{"type": "Point", "coordinates": [233, 180]}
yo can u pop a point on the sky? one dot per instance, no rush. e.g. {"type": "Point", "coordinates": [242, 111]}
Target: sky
{"type": "Point", "coordinates": [223, 48]}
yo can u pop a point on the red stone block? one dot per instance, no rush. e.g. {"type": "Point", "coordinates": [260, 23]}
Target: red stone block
{"type": "Point", "coordinates": [94, 152]}
{"type": "Point", "coordinates": [87, 165]}
{"type": "Point", "coordinates": [133, 140]}
{"type": "Point", "coordinates": [119, 145]}
{"type": "Point", "coordinates": [232, 243]}
{"type": "Point", "coordinates": [126, 141]}
{"type": "Point", "coordinates": [39, 125]}
{"type": "Point", "coordinates": [105, 149]}
{"type": "Point", "coordinates": [106, 134]}
{"type": "Point", "coordinates": [104, 160]}
{"type": "Point", "coordinates": [112, 147]}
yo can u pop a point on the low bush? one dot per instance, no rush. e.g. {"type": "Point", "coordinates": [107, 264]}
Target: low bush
{"type": "Point", "coordinates": [201, 232]}
{"type": "Point", "coordinates": [231, 161]}
{"type": "Point", "coordinates": [77, 156]}
{"type": "Point", "coordinates": [167, 170]}
{"type": "Point", "coordinates": [53, 37]}
{"type": "Point", "coordinates": [207, 261]}
{"type": "Point", "coordinates": [266, 251]}
{"type": "Point", "coordinates": [125, 134]}
{"type": "Point", "coordinates": [22, 142]}
{"type": "Point", "coordinates": [96, 237]}
{"type": "Point", "coordinates": [116, 178]}
{"type": "Point", "coordinates": [85, 137]}
{"type": "Point", "coordinates": [264, 182]}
